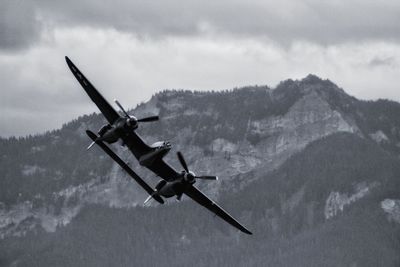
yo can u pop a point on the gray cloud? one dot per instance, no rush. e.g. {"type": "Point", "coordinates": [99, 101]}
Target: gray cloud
{"type": "Point", "coordinates": [389, 61]}
{"type": "Point", "coordinates": [19, 26]}
{"type": "Point", "coordinates": [131, 49]}
{"type": "Point", "coordinates": [38, 92]}
{"type": "Point", "coordinates": [284, 21]}
{"type": "Point", "coordinates": [323, 22]}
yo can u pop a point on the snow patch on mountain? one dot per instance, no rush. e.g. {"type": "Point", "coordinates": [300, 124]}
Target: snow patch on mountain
{"type": "Point", "coordinates": [28, 170]}
{"type": "Point", "coordinates": [223, 145]}
{"type": "Point", "coordinates": [35, 149]}
{"type": "Point", "coordinates": [117, 191]}
{"type": "Point", "coordinates": [309, 119]}
{"type": "Point", "coordinates": [379, 136]}
{"type": "Point", "coordinates": [293, 201]}
{"type": "Point", "coordinates": [392, 208]}
{"type": "Point", "coordinates": [23, 217]}
{"type": "Point", "coordinates": [336, 201]}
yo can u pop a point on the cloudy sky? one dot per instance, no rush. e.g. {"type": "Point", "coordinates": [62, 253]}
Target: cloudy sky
{"type": "Point", "coordinates": [130, 49]}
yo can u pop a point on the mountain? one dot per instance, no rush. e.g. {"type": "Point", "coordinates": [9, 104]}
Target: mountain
{"type": "Point", "coordinates": [312, 171]}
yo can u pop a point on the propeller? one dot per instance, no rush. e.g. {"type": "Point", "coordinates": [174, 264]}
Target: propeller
{"type": "Point", "coordinates": [146, 119]}
{"type": "Point", "coordinates": [94, 142]}
{"type": "Point", "coordinates": [190, 176]}
{"type": "Point", "coordinates": [182, 161]}
{"type": "Point", "coordinates": [121, 108]}
{"type": "Point", "coordinates": [91, 144]}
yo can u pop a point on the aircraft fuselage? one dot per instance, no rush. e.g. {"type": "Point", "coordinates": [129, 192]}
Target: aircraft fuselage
{"type": "Point", "coordinates": [158, 151]}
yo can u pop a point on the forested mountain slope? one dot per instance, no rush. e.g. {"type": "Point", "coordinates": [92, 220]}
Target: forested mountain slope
{"type": "Point", "coordinates": [312, 171]}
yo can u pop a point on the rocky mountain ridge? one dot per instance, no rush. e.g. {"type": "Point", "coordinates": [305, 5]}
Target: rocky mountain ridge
{"type": "Point", "coordinates": [246, 136]}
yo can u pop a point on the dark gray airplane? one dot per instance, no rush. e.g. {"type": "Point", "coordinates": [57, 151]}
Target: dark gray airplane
{"type": "Point", "coordinates": [122, 128]}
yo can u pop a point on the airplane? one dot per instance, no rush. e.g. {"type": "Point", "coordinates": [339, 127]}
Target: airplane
{"type": "Point", "coordinates": [173, 183]}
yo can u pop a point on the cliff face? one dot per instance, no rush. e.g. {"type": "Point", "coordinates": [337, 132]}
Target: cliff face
{"type": "Point", "coordinates": [262, 143]}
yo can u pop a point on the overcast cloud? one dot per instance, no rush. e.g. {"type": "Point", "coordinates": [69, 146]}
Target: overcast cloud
{"type": "Point", "coordinates": [132, 49]}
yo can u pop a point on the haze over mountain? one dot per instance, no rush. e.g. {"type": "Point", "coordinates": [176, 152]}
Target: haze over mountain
{"type": "Point", "coordinates": [312, 171]}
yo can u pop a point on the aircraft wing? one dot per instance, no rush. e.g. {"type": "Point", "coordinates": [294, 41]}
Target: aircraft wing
{"type": "Point", "coordinates": [121, 163]}
{"type": "Point", "coordinates": [105, 108]}
{"type": "Point", "coordinates": [203, 200]}
{"type": "Point", "coordinates": [135, 144]}
{"type": "Point", "coordinates": [164, 170]}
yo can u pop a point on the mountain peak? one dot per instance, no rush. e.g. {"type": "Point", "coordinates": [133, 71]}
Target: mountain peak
{"type": "Point", "coordinates": [313, 81]}
{"type": "Point", "coordinates": [312, 78]}
{"type": "Point", "coordinates": [324, 87]}
{"type": "Point", "coordinates": [310, 82]}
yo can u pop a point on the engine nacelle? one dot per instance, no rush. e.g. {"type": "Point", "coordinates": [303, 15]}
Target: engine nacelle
{"type": "Point", "coordinates": [104, 129]}
{"type": "Point", "coordinates": [108, 134]}
{"type": "Point", "coordinates": [132, 122]}
{"type": "Point", "coordinates": [160, 184]}
{"type": "Point", "coordinates": [189, 177]}
{"type": "Point", "coordinates": [112, 133]}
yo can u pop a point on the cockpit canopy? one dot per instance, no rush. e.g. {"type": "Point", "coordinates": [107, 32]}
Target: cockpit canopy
{"type": "Point", "coordinates": [161, 144]}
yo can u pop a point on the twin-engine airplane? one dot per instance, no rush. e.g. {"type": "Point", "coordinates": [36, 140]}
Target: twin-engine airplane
{"type": "Point", "coordinates": [123, 128]}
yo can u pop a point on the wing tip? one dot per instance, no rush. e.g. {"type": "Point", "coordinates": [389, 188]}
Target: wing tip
{"type": "Point", "coordinates": [244, 230]}
{"type": "Point", "coordinates": [91, 134]}
{"type": "Point", "coordinates": [70, 64]}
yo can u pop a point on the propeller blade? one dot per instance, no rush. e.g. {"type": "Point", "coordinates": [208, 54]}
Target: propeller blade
{"type": "Point", "coordinates": [182, 161]}
{"type": "Point", "coordinates": [121, 108]}
{"type": "Point", "coordinates": [147, 199]}
{"type": "Point", "coordinates": [90, 146]}
{"type": "Point", "coordinates": [155, 196]}
{"type": "Point", "coordinates": [147, 119]}
{"type": "Point", "coordinates": [206, 177]}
